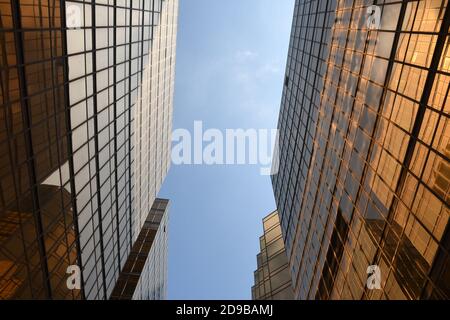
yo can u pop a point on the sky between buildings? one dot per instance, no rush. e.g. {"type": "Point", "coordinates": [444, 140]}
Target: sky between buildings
{"type": "Point", "coordinates": [231, 60]}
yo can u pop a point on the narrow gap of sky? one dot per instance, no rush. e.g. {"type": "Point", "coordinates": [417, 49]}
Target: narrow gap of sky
{"type": "Point", "coordinates": [231, 61]}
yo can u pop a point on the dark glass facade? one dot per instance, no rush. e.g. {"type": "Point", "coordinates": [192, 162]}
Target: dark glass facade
{"type": "Point", "coordinates": [85, 122]}
{"type": "Point", "coordinates": [272, 277]}
{"type": "Point", "coordinates": [364, 173]}
{"type": "Point", "coordinates": [144, 276]}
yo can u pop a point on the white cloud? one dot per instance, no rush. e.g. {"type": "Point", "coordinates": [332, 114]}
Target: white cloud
{"type": "Point", "coordinates": [268, 69]}
{"type": "Point", "coordinates": [245, 56]}
{"type": "Point", "coordinates": [256, 73]}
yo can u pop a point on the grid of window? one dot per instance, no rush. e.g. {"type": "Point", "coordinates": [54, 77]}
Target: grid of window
{"type": "Point", "coordinates": [37, 229]}
{"type": "Point", "coordinates": [364, 171]}
{"type": "Point", "coordinates": [272, 278]}
{"type": "Point", "coordinates": [87, 113]}
{"type": "Point", "coordinates": [152, 115]}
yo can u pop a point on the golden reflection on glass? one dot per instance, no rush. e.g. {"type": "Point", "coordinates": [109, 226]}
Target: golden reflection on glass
{"type": "Point", "coordinates": [385, 179]}
{"type": "Point", "coordinates": [21, 261]}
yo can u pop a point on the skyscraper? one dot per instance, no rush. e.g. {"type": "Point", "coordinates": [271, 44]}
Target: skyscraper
{"type": "Point", "coordinates": [86, 114]}
{"type": "Point", "coordinates": [272, 277]}
{"type": "Point", "coordinates": [364, 150]}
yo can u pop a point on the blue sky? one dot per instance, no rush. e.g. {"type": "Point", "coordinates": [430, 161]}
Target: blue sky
{"type": "Point", "coordinates": [230, 66]}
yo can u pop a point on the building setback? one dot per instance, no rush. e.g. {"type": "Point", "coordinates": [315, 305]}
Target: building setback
{"type": "Point", "coordinates": [364, 177]}
{"type": "Point", "coordinates": [272, 277]}
{"type": "Point", "coordinates": [86, 117]}
{"type": "Point", "coordinates": [144, 276]}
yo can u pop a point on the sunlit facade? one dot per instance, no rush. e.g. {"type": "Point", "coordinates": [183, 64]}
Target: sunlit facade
{"type": "Point", "coordinates": [272, 277]}
{"type": "Point", "coordinates": [86, 116]}
{"type": "Point", "coordinates": [364, 173]}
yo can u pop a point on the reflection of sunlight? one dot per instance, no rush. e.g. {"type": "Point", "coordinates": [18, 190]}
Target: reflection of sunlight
{"type": "Point", "coordinates": [446, 64]}
{"type": "Point", "coordinates": [60, 177]}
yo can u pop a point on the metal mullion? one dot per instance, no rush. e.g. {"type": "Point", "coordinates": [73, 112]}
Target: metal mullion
{"type": "Point", "coordinates": [151, 65]}
{"type": "Point", "coordinates": [115, 131]}
{"type": "Point", "coordinates": [130, 34]}
{"type": "Point", "coordinates": [437, 266]}
{"type": "Point", "coordinates": [44, 74]}
{"type": "Point", "coordinates": [142, 60]}
{"type": "Point", "coordinates": [96, 147]}
{"type": "Point", "coordinates": [159, 86]}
